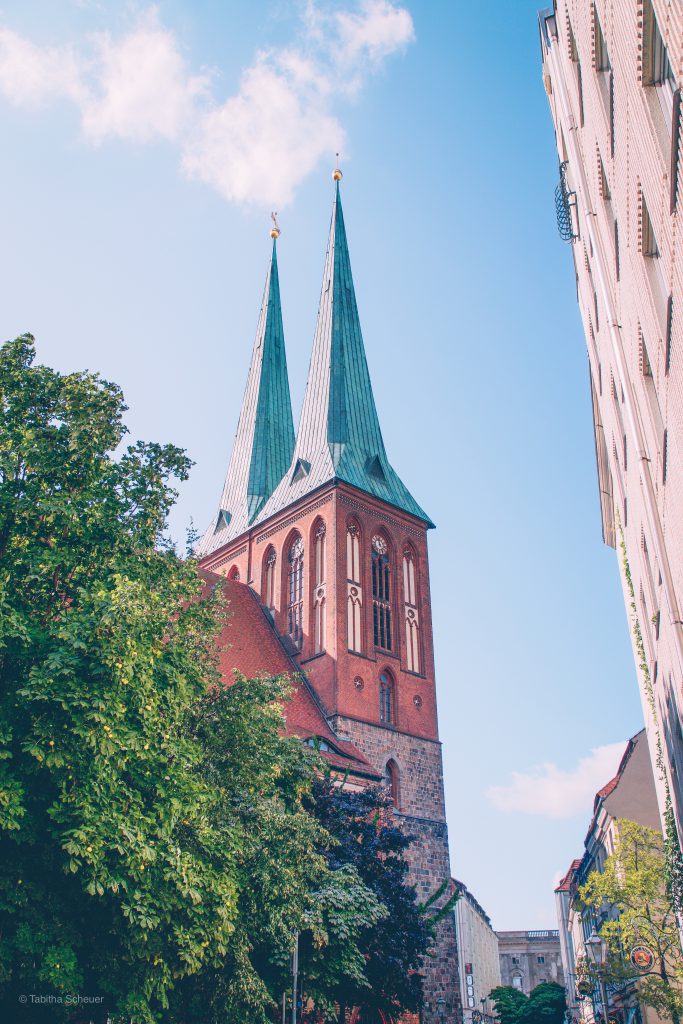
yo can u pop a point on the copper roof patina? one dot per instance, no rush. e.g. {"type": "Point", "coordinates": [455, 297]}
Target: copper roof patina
{"type": "Point", "coordinates": [264, 442]}
{"type": "Point", "coordinates": [339, 436]}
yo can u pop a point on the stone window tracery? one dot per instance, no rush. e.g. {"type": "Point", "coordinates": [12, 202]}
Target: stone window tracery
{"type": "Point", "coordinates": [295, 596]}
{"type": "Point", "coordinates": [320, 541]}
{"type": "Point", "coordinates": [387, 699]}
{"type": "Point", "coordinates": [269, 562]}
{"type": "Point", "coordinates": [381, 593]}
{"type": "Point", "coordinates": [411, 612]}
{"type": "Point", "coordinates": [354, 600]}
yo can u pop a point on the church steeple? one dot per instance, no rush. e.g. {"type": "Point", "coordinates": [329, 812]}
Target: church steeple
{"type": "Point", "coordinates": [339, 435]}
{"type": "Point", "coordinates": [264, 442]}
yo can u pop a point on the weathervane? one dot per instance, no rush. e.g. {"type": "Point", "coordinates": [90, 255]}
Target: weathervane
{"type": "Point", "coordinates": [275, 230]}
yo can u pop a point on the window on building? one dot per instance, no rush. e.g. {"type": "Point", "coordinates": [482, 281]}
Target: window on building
{"type": "Point", "coordinates": [517, 981]}
{"type": "Point", "coordinates": [234, 574]}
{"type": "Point", "coordinates": [600, 46]}
{"type": "Point", "coordinates": [295, 594]}
{"type": "Point", "coordinates": [603, 183]}
{"type": "Point", "coordinates": [268, 576]}
{"type": "Point", "coordinates": [391, 780]}
{"type": "Point", "coordinates": [540, 959]}
{"type": "Point", "coordinates": [665, 455]}
{"type": "Point", "coordinates": [669, 327]}
{"type": "Point", "coordinates": [354, 599]}
{"type": "Point", "coordinates": [320, 552]}
{"type": "Point", "coordinates": [617, 264]}
{"type": "Point", "coordinates": [649, 245]}
{"type": "Point", "coordinates": [381, 593]}
{"type": "Point", "coordinates": [411, 614]}
{"type": "Point", "coordinates": [515, 961]}
{"type": "Point", "coordinates": [387, 699]}
{"type": "Point", "coordinates": [657, 68]}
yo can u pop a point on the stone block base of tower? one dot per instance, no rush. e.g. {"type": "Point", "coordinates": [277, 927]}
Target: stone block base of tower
{"type": "Point", "coordinates": [420, 788]}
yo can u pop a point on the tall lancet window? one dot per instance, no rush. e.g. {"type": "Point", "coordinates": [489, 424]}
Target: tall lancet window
{"type": "Point", "coordinates": [268, 576]}
{"type": "Point", "coordinates": [354, 598]}
{"type": "Point", "coordinates": [381, 599]}
{"type": "Point", "coordinates": [411, 613]}
{"type": "Point", "coordinates": [320, 542]}
{"type": "Point", "coordinates": [391, 782]}
{"type": "Point", "coordinates": [387, 699]}
{"type": "Point", "coordinates": [295, 596]}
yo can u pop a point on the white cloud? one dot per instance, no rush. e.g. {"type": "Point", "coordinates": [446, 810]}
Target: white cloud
{"type": "Point", "coordinates": [32, 76]}
{"type": "Point", "coordinates": [256, 146]}
{"type": "Point", "coordinates": [261, 143]}
{"type": "Point", "coordinates": [143, 87]}
{"type": "Point", "coordinates": [550, 792]}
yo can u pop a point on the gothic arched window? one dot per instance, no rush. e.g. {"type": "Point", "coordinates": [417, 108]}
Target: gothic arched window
{"type": "Point", "coordinates": [234, 574]}
{"type": "Point", "coordinates": [410, 612]}
{"type": "Point", "coordinates": [387, 699]}
{"type": "Point", "coordinates": [355, 591]}
{"type": "Point", "coordinates": [381, 600]}
{"type": "Point", "coordinates": [391, 782]}
{"type": "Point", "coordinates": [268, 576]}
{"type": "Point", "coordinates": [320, 542]}
{"type": "Point", "coordinates": [295, 593]}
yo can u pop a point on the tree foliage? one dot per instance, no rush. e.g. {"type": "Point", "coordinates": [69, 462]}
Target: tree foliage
{"type": "Point", "coordinates": [161, 840]}
{"type": "Point", "coordinates": [366, 837]}
{"type": "Point", "coordinates": [633, 887]}
{"type": "Point", "coordinates": [545, 1005]}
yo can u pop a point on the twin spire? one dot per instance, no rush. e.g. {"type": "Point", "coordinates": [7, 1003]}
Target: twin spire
{"type": "Point", "coordinates": [339, 436]}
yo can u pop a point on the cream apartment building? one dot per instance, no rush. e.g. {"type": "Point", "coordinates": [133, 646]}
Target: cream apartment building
{"type": "Point", "coordinates": [611, 71]}
{"type": "Point", "coordinates": [477, 956]}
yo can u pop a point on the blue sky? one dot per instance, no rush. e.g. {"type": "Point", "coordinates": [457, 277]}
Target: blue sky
{"type": "Point", "coordinates": [143, 150]}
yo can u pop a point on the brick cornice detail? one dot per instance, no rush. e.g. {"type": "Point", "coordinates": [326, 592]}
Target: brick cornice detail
{"type": "Point", "coordinates": [293, 519]}
{"type": "Point", "coordinates": [357, 506]}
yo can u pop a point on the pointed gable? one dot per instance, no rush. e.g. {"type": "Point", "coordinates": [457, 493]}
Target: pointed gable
{"type": "Point", "coordinates": [264, 442]}
{"type": "Point", "coordinates": [339, 436]}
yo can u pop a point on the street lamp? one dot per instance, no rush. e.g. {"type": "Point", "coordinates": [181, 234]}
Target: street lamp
{"type": "Point", "coordinates": [441, 1005]}
{"type": "Point", "coordinates": [597, 955]}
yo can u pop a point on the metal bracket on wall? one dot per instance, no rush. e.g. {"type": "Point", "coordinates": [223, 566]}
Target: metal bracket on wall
{"type": "Point", "coordinates": [565, 202]}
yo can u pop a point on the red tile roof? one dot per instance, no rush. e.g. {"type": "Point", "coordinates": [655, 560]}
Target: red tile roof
{"type": "Point", "coordinates": [253, 647]}
{"type": "Point", "coordinates": [567, 880]}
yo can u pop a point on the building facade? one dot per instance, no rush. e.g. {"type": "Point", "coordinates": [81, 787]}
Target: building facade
{"type": "Point", "coordinates": [321, 530]}
{"type": "Point", "coordinates": [477, 957]}
{"type": "Point", "coordinates": [612, 73]}
{"type": "Point", "coordinates": [529, 958]}
{"type": "Point", "coordinates": [629, 795]}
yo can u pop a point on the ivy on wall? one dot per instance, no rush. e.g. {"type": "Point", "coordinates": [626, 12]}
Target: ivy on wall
{"type": "Point", "coordinates": [672, 846]}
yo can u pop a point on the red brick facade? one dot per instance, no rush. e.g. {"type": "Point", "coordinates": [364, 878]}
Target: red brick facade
{"type": "Point", "coordinates": [346, 683]}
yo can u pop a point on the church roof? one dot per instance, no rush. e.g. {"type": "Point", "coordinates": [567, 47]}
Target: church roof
{"type": "Point", "coordinates": [264, 441]}
{"type": "Point", "coordinates": [339, 436]}
{"type": "Point", "coordinates": [251, 645]}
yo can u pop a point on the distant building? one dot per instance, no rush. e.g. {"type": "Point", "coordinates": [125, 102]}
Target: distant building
{"type": "Point", "coordinates": [478, 955]}
{"type": "Point", "coordinates": [612, 73]}
{"type": "Point", "coordinates": [528, 958]}
{"type": "Point", "coordinates": [629, 795]}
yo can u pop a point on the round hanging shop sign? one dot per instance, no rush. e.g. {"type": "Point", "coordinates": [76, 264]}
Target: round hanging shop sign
{"type": "Point", "coordinates": [642, 958]}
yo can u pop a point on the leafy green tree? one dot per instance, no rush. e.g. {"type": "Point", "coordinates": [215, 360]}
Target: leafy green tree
{"type": "Point", "coordinates": [285, 881]}
{"type": "Point", "coordinates": [633, 884]}
{"type": "Point", "coordinates": [546, 1004]}
{"type": "Point", "coordinates": [510, 1003]}
{"type": "Point", "coordinates": [367, 837]}
{"type": "Point", "coordinates": [155, 849]}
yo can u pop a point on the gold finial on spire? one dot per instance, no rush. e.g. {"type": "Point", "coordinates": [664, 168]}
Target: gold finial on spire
{"type": "Point", "coordinates": [336, 173]}
{"type": "Point", "coordinates": [275, 230]}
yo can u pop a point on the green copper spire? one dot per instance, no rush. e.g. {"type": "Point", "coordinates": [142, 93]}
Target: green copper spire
{"type": "Point", "coordinates": [339, 435]}
{"type": "Point", "coordinates": [264, 442]}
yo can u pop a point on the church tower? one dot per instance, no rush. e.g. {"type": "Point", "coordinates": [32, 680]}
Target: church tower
{"type": "Point", "coordinates": [336, 549]}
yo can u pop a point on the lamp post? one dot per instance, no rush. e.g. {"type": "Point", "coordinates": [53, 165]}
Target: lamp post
{"type": "Point", "coordinates": [597, 954]}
